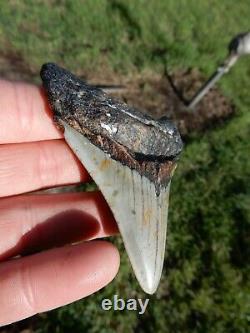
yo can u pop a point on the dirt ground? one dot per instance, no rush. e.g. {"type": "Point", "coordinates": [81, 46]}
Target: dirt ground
{"type": "Point", "coordinates": [158, 95]}
{"type": "Point", "coordinates": [165, 95]}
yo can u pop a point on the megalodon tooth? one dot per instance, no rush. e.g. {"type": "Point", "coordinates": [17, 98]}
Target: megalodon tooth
{"type": "Point", "coordinates": [129, 155]}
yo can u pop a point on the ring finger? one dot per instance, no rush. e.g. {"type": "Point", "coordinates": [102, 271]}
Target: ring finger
{"type": "Point", "coordinates": [30, 223]}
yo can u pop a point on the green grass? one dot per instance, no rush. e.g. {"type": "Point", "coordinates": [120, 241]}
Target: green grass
{"type": "Point", "coordinates": [124, 35]}
{"type": "Point", "coordinates": [205, 285]}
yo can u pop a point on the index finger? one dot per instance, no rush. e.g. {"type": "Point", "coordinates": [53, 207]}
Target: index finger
{"type": "Point", "coordinates": [25, 114]}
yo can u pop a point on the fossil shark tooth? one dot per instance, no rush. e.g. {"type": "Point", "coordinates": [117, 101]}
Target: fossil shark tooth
{"type": "Point", "coordinates": [129, 155]}
{"type": "Point", "coordinates": [141, 215]}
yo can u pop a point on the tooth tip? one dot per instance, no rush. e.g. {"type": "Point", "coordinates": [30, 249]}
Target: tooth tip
{"type": "Point", "coordinates": [148, 280]}
{"type": "Point", "coordinates": [150, 287]}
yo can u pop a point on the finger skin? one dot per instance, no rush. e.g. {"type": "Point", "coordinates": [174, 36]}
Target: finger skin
{"type": "Point", "coordinates": [29, 223]}
{"type": "Point", "coordinates": [25, 114]}
{"type": "Point", "coordinates": [30, 166]}
{"type": "Point", "coordinates": [54, 278]}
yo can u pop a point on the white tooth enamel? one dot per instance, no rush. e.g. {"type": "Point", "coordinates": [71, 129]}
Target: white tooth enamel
{"type": "Point", "coordinates": [140, 214]}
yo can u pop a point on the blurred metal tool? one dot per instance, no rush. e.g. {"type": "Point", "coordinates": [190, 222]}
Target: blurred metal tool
{"type": "Point", "coordinates": [239, 46]}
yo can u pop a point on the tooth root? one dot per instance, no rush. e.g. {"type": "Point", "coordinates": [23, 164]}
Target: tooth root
{"type": "Point", "coordinates": [141, 214]}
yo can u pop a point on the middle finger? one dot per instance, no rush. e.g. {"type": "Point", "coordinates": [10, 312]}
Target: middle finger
{"type": "Point", "coordinates": [26, 167]}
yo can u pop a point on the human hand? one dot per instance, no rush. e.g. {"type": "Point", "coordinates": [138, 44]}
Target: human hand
{"type": "Point", "coordinates": [33, 155]}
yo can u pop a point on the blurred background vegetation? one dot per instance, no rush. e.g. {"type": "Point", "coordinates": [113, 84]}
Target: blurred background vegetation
{"type": "Point", "coordinates": [205, 286]}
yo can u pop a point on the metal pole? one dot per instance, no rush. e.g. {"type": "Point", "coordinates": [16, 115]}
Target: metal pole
{"type": "Point", "coordinates": [239, 45]}
{"type": "Point", "coordinates": [212, 80]}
